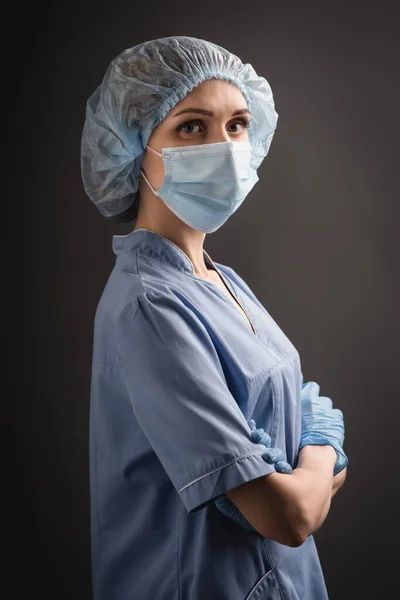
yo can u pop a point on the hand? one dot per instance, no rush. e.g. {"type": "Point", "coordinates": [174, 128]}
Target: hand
{"type": "Point", "coordinates": [321, 424]}
{"type": "Point", "coordinates": [272, 456]}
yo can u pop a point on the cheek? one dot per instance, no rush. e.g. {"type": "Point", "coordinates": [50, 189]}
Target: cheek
{"type": "Point", "coordinates": [153, 166]}
{"type": "Point", "coordinates": [158, 173]}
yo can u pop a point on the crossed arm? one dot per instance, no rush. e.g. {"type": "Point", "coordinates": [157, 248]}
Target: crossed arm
{"type": "Point", "coordinates": [289, 507]}
{"type": "Point", "coordinates": [318, 503]}
{"type": "Point", "coordinates": [337, 481]}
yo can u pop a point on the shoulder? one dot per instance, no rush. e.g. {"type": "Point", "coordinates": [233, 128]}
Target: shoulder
{"type": "Point", "coordinates": [128, 291]}
{"type": "Point", "coordinates": [159, 314]}
{"type": "Point", "coordinates": [148, 321]}
{"type": "Point", "coordinates": [161, 328]}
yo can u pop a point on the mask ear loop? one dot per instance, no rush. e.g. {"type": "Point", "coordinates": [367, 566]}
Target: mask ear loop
{"type": "Point", "coordinates": [148, 183]}
{"type": "Point", "coordinates": [142, 173]}
{"type": "Point", "coordinates": [155, 151]}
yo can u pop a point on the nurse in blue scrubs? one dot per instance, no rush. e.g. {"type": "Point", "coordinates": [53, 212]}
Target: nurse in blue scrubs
{"type": "Point", "coordinates": [198, 407]}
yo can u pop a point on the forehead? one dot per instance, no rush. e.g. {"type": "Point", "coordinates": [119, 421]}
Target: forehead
{"type": "Point", "coordinates": [211, 95]}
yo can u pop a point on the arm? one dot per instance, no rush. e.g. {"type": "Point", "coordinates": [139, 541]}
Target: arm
{"type": "Point", "coordinates": [338, 480]}
{"type": "Point", "coordinates": [287, 508]}
{"type": "Point", "coordinates": [180, 398]}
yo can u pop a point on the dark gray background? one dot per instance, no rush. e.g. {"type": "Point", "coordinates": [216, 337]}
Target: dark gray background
{"type": "Point", "coordinates": [316, 240]}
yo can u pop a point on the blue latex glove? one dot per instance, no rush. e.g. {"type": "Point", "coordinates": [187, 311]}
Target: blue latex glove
{"type": "Point", "coordinates": [321, 424]}
{"type": "Point", "coordinates": [272, 456]}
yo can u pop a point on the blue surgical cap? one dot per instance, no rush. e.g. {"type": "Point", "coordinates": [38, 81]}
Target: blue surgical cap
{"type": "Point", "coordinates": [140, 87]}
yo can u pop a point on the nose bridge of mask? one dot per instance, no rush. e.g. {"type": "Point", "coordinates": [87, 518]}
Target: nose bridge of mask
{"type": "Point", "coordinates": [205, 162]}
{"type": "Point", "coordinates": [212, 149]}
{"type": "Point", "coordinates": [208, 168]}
{"type": "Point", "coordinates": [208, 162]}
{"type": "Point", "coordinates": [227, 148]}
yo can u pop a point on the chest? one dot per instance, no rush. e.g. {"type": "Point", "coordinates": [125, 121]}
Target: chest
{"type": "Point", "coordinates": [250, 344]}
{"type": "Point", "coordinates": [215, 277]}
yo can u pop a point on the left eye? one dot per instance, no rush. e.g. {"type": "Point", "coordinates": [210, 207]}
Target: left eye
{"type": "Point", "coordinates": [189, 124]}
{"type": "Point", "coordinates": [237, 123]}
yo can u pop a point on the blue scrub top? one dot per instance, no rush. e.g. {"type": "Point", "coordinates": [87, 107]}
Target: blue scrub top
{"type": "Point", "coordinates": [177, 372]}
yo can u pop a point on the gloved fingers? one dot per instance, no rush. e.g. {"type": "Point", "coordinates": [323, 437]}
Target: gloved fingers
{"type": "Point", "coordinates": [227, 508]}
{"type": "Point", "coordinates": [273, 455]}
{"type": "Point", "coordinates": [225, 505]}
{"type": "Point", "coordinates": [283, 467]}
{"type": "Point", "coordinates": [310, 389]}
{"type": "Point", "coordinates": [261, 437]}
{"type": "Point", "coordinates": [325, 402]}
{"type": "Point", "coordinates": [341, 463]}
{"type": "Point", "coordinates": [258, 435]}
{"type": "Point", "coordinates": [252, 424]}
{"type": "Point", "coordinates": [338, 412]}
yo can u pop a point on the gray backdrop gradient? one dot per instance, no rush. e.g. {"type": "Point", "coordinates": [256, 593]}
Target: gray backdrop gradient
{"type": "Point", "coordinates": [317, 240]}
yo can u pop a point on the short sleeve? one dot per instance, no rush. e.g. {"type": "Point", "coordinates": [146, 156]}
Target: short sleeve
{"type": "Point", "coordinates": [181, 400]}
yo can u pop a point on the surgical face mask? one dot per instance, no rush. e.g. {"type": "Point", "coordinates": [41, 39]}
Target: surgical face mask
{"type": "Point", "coordinates": [205, 184]}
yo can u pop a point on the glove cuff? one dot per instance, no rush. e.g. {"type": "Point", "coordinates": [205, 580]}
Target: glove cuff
{"type": "Point", "coordinates": [316, 439]}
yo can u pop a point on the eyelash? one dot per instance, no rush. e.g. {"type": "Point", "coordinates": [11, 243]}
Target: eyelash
{"type": "Point", "coordinates": [246, 124]}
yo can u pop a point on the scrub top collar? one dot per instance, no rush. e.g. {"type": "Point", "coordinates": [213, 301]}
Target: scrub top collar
{"type": "Point", "coordinates": [155, 244]}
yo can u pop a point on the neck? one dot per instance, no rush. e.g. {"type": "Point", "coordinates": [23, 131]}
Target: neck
{"type": "Point", "coordinates": [189, 240]}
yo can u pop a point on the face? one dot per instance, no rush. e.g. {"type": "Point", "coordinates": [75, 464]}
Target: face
{"type": "Point", "coordinates": [214, 111]}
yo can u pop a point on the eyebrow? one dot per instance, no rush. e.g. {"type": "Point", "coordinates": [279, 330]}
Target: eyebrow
{"type": "Point", "coordinates": [202, 111]}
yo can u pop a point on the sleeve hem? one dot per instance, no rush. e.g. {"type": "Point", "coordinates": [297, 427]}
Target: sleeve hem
{"type": "Point", "coordinates": [205, 489]}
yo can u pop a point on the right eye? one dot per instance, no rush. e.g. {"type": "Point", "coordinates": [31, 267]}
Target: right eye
{"type": "Point", "coordinates": [187, 126]}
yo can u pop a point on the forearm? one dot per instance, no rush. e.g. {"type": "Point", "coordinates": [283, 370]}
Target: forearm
{"type": "Point", "coordinates": [338, 480]}
{"type": "Point", "coordinates": [315, 471]}
{"type": "Point", "coordinates": [309, 489]}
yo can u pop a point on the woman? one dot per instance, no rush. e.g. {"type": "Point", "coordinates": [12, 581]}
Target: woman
{"type": "Point", "coordinates": [199, 490]}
